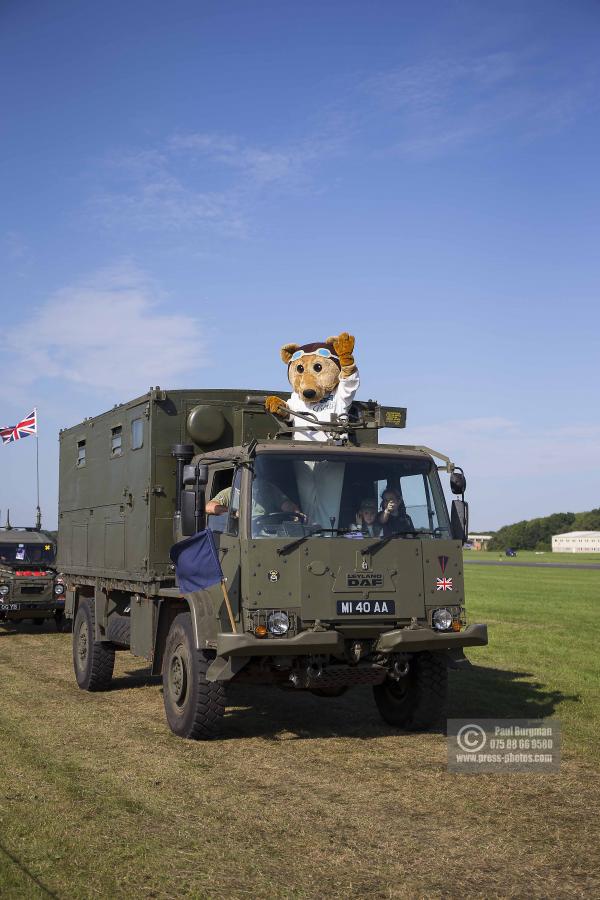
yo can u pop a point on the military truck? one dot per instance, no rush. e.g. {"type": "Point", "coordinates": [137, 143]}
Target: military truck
{"type": "Point", "coordinates": [302, 604]}
{"type": "Point", "coordinates": [29, 586]}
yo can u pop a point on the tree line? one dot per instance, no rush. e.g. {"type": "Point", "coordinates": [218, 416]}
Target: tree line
{"type": "Point", "coordinates": [536, 534]}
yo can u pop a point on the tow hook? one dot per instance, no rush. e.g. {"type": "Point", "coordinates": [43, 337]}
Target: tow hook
{"type": "Point", "coordinates": [400, 669]}
{"type": "Point", "coordinates": [304, 678]}
{"type": "Point", "coordinates": [356, 650]}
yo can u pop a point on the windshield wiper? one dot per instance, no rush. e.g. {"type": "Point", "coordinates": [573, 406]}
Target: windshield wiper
{"type": "Point", "coordinates": [381, 543]}
{"type": "Point", "coordinates": [287, 548]}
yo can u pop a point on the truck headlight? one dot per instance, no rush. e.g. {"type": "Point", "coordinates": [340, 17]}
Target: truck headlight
{"type": "Point", "coordinates": [59, 589]}
{"type": "Point", "coordinates": [278, 622]}
{"type": "Point", "coordinates": [442, 620]}
{"type": "Point", "coordinates": [4, 589]}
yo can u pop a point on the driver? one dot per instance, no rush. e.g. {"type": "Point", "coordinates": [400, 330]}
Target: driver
{"type": "Point", "coordinates": [266, 498]}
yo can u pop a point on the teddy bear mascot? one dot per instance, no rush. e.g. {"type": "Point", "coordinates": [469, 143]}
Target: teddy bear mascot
{"type": "Point", "coordinates": [324, 380]}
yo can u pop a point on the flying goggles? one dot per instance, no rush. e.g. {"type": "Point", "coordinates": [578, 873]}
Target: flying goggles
{"type": "Point", "coordinates": [322, 351]}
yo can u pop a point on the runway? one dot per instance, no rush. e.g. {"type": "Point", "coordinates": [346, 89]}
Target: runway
{"type": "Point", "coordinates": [530, 565]}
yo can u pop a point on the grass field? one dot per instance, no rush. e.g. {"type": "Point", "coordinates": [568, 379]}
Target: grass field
{"type": "Point", "coordinates": [306, 797]}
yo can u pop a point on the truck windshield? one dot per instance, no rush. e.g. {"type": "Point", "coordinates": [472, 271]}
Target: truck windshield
{"type": "Point", "coordinates": [27, 553]}
{"type": "Point", "coordinates": [365, 496]}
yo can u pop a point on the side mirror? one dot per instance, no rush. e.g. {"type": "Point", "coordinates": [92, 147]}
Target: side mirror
{"type": "Point", "coordinates": [188, 513]}
{"type": "Point", "coordinates": [193, 473]}
{"type": "Point", "coordinates": [192, 501]}
{"type": "Point", "coordinates": [459, 520]}
{"type": "Point", "coordinates": [458, 482]}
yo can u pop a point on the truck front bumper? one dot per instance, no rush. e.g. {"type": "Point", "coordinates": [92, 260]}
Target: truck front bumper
{"type": "Point", "coordinates": [411, 640]}
{"type": "Point", "coordinates": [307, 643]}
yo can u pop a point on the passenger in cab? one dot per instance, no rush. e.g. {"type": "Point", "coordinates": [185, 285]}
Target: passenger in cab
{"type": "Point", "coordinates": [393, 517]}
{"type": "Point", "coordinates": [366, 519]}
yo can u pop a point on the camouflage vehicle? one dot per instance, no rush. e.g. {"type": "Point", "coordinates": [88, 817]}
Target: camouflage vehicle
{"type": "Point", "coordinates": [29, 588]}
{"type": "Point", "coordinates": [304, 605]}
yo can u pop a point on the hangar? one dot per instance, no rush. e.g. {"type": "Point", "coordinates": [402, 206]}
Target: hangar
{"type": "Point", "coordinates": [576, 542]}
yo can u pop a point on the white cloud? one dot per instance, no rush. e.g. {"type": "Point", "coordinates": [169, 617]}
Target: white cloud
{"type": "Point", "coordinates": [110, 332]}
{"type": "Point", "coordinates": [261, 165]}
{"type": "Point", "coordinates": [445, 102]}
{"type": "Point", "coordinates": [172, 186]}
{"type": "Point", "coordinates": [146, 191]}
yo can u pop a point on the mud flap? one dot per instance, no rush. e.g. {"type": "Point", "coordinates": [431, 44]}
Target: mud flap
{"type": "Point", "coordinates": [224, 668]}
{"type": "Point", "coordinates": [456, 659]}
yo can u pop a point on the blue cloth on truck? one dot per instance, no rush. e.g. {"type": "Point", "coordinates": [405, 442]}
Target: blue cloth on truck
{"type": "Point", "coordinates": [196, 562]}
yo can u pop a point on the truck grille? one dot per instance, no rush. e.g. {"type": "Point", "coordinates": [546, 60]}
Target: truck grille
{"type": "Point", "coordinates": [32, 588]}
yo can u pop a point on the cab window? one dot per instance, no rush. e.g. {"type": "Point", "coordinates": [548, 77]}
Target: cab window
{"type": "Point", "coordinates": [233, 522]}
{"type": "Point", "coordinates": [222, 478]}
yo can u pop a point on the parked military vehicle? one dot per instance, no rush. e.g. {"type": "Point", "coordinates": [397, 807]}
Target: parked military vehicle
{"type": "Point", "coordinates": [305, 604]}
{"type": "Point", "coordinates": [29, 587]}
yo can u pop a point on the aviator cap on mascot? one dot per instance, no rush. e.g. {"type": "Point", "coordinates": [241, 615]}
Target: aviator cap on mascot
{"type": "Point", "coordinates": [324, 380]}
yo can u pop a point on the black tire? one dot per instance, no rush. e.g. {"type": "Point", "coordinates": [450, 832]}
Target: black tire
{"type": "Point", "coordinates": [38, 622]}
{"type": "Point", "coordinates": [93, 661]}
{"type": "Point", "coordinates": [59, 618]}
{"type": "Point", "coordinates": [418, 700]}
{"type": "Point", "coordinates": [119, 630]}
{"type": "Point", "coordinates": [194, 706]}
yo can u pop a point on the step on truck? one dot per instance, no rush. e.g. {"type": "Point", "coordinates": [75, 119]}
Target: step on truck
{"type": "Point", "coordinates": [308, 600]}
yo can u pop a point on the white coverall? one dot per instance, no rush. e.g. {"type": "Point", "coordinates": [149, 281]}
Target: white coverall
{"type": "Point", "coordinates": [320, 482]}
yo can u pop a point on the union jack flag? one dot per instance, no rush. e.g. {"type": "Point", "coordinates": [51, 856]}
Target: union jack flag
{"type": "Point", "coordinates": [444, 584]}
{"type": "Point", "coordinates": [22, 429]}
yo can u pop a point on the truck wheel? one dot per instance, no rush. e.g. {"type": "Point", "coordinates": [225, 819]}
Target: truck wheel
{"type": "Point", "coordinates": [194, 706]}
{"type": "Point", "coordinates": [119, 630]}
{"type": "Point", "coordinates": [93, 661]}
{"type": "Point", "coordinates": [418, 700]}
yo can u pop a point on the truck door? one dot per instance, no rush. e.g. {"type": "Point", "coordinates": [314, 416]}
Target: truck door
{"type": "Point", "coordinates": [228, 544]}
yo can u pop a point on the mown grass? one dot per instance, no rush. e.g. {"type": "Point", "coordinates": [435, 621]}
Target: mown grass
{"type": "Point", "coordinates": [305, 797]}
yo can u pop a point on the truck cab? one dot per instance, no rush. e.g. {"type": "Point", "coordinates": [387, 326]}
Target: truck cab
{"type": "Point", "coordinates": [305, 597]}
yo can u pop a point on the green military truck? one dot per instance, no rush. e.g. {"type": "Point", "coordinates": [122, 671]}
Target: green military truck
{"type": "Point", "coordinates": [304, 604]}
{"type": "Point", "coordinates": [29, 587]}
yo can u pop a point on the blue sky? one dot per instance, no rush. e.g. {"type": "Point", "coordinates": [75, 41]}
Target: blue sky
{"type": "Point", "coordinates": [187, 186]}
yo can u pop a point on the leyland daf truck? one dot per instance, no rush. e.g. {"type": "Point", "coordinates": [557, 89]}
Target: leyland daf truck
{"type": "Point", "coordinates": [307, 600]}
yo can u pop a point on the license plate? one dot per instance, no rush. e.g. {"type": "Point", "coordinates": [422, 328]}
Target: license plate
{"type": "Point", "coordinates": [366, 607]}
{"type": "Point", "coordinates": [10, 607]}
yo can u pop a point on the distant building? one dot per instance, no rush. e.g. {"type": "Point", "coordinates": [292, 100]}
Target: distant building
{"type": "Point", "coordinates": [576, 542]}
{"type": "Point", "coordinates": [480, 541]}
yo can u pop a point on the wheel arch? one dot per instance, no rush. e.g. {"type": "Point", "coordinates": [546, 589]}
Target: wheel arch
{"type": "Point", "coordinates": [74, 595]}
{"type": "Point", "coordinates": [204, 624]}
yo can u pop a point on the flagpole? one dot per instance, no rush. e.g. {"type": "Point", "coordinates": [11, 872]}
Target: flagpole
{"type": "Point", "coordinates": [38, 517]}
